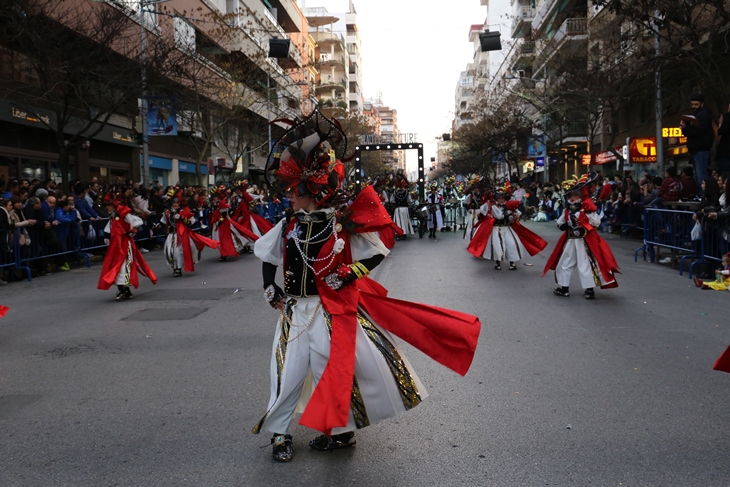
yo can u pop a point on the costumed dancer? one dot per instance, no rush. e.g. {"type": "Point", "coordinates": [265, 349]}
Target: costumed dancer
{"type": "Point", "coordinates": [580, 247]}
{"type": "Point", "coordinates": [501, 236]}
{"type": "Point", "coordinates": [233, 237]}
{"type": "Point", "coordinates": [401, 200]}
{"type": "Point", "coordinates": [435, 217]}
{"type": "Point", "coordinates": [123, 261]}
{"type": "Point", "coordinates": [473, 201]}
{"type": "Point", "coordinates": [333, 352]}
{"type": "Point", "coordinates": [250, 220]}
{"type": "Point", "coordinates": [183, 246]}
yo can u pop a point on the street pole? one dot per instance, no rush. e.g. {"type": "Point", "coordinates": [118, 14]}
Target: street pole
{"type": "Point", "coordinates": [658, 84]}
{"type": "Point", "coordinates": [145, 135]}
{"type": "Point", "coordinates": [268, 108]}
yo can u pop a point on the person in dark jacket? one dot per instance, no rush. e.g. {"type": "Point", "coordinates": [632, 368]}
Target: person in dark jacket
{"type": "Point", "coordinates": [700, 136]}
{"type": "Point", "coordinates": [689, 185]}
{"type": "Point", "coordinates": [722, 151]}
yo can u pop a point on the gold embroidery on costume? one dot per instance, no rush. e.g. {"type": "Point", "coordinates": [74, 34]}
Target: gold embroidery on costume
{"type": "Point", "coordinates": [594, 265]}
{"type": "Point", "coordinates": [406, 385]}
{"type": "Point", "coordinates": [280, 359]}
{"type": "Point", "coordinates": [357, 406]}
{"type": "Point", "coordinates": [128, 265]}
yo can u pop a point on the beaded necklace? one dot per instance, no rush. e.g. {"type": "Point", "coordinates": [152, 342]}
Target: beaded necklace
{"type": "Point", "coordinates": [306, 259]}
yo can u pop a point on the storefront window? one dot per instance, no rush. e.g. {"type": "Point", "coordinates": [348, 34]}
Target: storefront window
{"type": "Point", "coordinates": [8, 168]}
{"type": "Point", "coordinates": [33, 169]}
{"type": "Point", "coordinates": [56, 172]}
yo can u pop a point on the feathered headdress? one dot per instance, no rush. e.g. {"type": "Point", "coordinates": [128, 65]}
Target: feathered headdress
{"type": "Point", "coordinates": [575, 183]}
{"type": "Point", "coordinates": [505, 190]}
{"type": "Point", "coordinates": [308, 158]}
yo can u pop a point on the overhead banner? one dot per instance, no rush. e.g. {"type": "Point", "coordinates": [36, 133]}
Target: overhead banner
{"type": "Point", "coordinates": [161, 116]}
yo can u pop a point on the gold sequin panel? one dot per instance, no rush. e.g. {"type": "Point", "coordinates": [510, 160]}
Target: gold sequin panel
{"type": "Point", "coordinates": [280, 358]}
{"type": "Point", "coordinates": [594, 265]}
{"type": "Point", "coordinates": [406, 385]}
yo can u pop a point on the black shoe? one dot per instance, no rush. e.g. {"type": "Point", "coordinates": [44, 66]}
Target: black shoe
{"type": "Point", "coordinates": [589, 293]}
{"type": "Point", "coordinates": [121, 296]}
{"type": "Point", "coordinates": [177, 273]}
{"type": "Point", "coordinates": [334, 442]}
{"type": "Point", "coordinates": [222, 259]}
{"type": "Point", "coordinates": [498, 266]}
{"type": "Point", "coordinates": [250, 250]}
{"type": "Point", "coordinates": [512, 266]}
{"type": "Point", "coordinates": [561, 291]}
{"type": "Point", "coordinates": [128, 293]}
{"type": "Point", "coordinates": [282, 448]}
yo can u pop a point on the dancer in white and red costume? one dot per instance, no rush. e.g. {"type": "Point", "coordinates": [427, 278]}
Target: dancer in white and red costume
{"type": "Point", "coordinates": [232, 236]}
{"type": "Point", "coordinates": [500, 236]}
{"type": "Point", "coordinates": [580, 247]}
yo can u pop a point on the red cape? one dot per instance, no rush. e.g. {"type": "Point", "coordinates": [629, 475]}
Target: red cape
{"type": "Point", "coordinates": [225, 236]}
{"type": "Point", "coordinates": [533, 243]}
{"type": "Point", "coordinates": [243, 216]}
{"type": "Point", "coordinates": [116, 256]}
{"type": "Point", "coordinates": [184, 234]}
{"type": "Point", "coordinates": [449, 337]}
{"type": "Point", "coordinates": [598, 247]}
{"type": "Point", "coordinates": [723, 361]}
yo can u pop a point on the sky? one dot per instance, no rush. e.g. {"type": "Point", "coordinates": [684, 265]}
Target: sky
{"type": "Point", "coordinates": [413, 52]}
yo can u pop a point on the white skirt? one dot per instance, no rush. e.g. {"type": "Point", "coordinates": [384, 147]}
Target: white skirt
{"type": "Point", "coordinates": [174, 251]}
{"type": "Point", "coordinates": [402, 218]}
{"type": "Point", "coordinates": [504, 244]}
{"type": "Point", "coordinates": [384, 386]}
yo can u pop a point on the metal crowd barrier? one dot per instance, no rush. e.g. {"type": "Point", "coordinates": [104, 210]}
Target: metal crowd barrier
{"type": "Point", "coordinates": [672, 229]}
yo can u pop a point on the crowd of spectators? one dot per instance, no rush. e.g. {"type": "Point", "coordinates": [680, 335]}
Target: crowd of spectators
{"type": "Point", "coordinates": [52, 224]}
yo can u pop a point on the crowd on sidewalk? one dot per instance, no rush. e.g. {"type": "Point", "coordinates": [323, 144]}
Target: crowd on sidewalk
{"type": "Point", "coordinates": [48, 220]}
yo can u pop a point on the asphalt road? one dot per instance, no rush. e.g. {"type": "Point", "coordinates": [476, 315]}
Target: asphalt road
{"type": "Point", "coordinates": [163, 390]}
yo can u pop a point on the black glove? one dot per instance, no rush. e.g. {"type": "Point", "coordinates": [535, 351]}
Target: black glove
{"type": "Point", "coordinates": [563, 226]}
{"type": "Point", "coordinates": [272, 292]}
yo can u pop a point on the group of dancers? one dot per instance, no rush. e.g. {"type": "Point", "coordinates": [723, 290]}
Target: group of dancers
{"type": "Point", "coordinates": [498, 235]}
{"type": "Point", "coordinates": [234, 229]}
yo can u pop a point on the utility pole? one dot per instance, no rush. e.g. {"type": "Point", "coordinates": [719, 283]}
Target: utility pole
{"type": "Point", "coordinates": [145, 134]}
{"type": "Point", "coordinates": [658, 84]}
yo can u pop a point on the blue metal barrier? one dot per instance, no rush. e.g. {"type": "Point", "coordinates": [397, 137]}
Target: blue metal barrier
{"type": "Point", "coordinates": [60, 240]}
{"type": "Point", "coordinates": [670, 229]}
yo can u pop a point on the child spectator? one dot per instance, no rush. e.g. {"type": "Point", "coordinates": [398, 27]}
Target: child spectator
{"type": "Point", "coordinates": [722, 277]}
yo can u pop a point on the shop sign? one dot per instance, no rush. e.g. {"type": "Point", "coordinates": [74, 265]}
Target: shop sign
{"type": "Point", "coordinates": [642, 150]}
{"type": "Point", "coordinates": [608, 156]}
{"type": "Point", "coordinates": [540, 162]}
{"type": "Point", "coordinates": [35, 118]}
{"type": "Point", "coordinates": [586, 159]}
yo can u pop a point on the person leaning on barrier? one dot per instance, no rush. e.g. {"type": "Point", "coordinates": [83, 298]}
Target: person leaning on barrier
{"type": "Point", "coordinates": [671, 188]}
{"type": "Point", "coordinates": [710, 200]}
{"type": "Point", "coordinates": [721, 217]}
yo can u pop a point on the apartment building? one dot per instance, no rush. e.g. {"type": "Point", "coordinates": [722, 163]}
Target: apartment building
{"type": "Point", "coordinates": [29, 149]}
{"type": "Point", "coordinates": [338, 54]}
{"type": "Point", "coordinates": [473, 80]}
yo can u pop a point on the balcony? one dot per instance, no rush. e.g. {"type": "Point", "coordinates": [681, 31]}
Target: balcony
{"type": "Point", "coordinates": [287, 15]}
{"type": "Point", "coordinates": [328, 83]}
{"type": "Point", "coordinates": [522, 20]}
{"type": "Point", "coordinates": [326, 59]}
{"type": "Point", "coordinates": [524, 56]}
{"type": "Point", "coordinates": [326, 38]}
{"type": "Point", "coordinates": [570, 38]}
{"type": "Point", "coordinates": [551, 13]}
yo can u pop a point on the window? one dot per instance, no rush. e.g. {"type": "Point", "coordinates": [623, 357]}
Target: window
{"type": "Point", "coordinates": [184, 36]}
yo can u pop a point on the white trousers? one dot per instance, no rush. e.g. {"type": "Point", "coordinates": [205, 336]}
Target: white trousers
{"type": "Point", "coordinates": [504, 244]}
{"type": "Point", "coordinates": [381, 389]}
{"type": "Point", "coordinates": [402, 218]}
{"type": "Point", "coordinates": [174, 251]}
{"type": "Point", "coordinates": [122, 278]}
{"type": "Point", "coordinates": [575, 256]}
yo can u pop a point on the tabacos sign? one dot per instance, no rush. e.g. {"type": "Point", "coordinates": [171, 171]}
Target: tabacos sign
{"type": "Point", "coordinates": [642, 150]}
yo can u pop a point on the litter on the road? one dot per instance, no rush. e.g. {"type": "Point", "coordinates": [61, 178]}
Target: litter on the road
{"type": "Point", "coordinates": [528, 265]}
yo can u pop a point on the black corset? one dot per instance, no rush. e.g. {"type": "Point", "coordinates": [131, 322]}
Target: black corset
{"type": "Point", "coordinates": [299, 280]}
{"type": "Point", "coordinates": [400, 197]}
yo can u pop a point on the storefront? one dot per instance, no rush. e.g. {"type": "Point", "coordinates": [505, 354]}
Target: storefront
{"type": "Point", "coordinates": [187, 175]}
{"type": "Point", "coordinates": [160, 170]}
